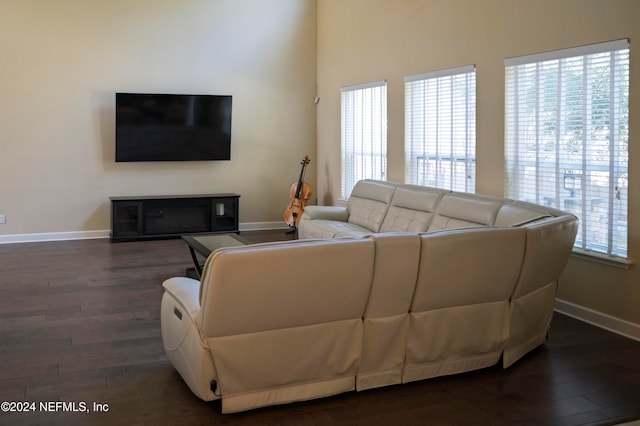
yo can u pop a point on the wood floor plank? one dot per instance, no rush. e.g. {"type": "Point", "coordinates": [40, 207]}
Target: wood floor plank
{"type": "Point", "coordinates": [80, 322]}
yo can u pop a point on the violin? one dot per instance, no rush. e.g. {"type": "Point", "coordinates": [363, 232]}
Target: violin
{"type": "Point", "coordinates": [300, 193]}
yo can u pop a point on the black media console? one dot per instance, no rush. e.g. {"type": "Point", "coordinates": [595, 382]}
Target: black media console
{"type": "Point", "coordinates": [159, 217]}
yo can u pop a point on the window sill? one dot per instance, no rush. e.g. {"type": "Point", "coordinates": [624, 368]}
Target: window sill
{"type": "Point", "coordinates": [590, 256]}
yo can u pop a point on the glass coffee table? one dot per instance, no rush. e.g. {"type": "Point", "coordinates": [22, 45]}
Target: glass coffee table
{"type": "Point", "coordinates": [205, 244]}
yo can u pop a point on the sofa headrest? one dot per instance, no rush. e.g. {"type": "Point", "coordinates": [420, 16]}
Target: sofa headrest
{"type": "Point", "coordinates": [417, 198]}
{"type": "Point", "coordinates": [458, 211]}
{"type": "Point", "coordinates": [512, 214]}
{"type": "Point", "coordinates": [374, 190]}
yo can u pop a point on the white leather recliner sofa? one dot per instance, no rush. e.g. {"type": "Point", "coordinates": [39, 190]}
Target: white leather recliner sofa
{"type": "Point", "coordinates": [270, 323]}
{"type": "Point", "coordinates": [466, 281]}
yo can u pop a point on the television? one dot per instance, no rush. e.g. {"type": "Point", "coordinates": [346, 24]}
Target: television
{"type": "Point", "coordinates": [166, 127]}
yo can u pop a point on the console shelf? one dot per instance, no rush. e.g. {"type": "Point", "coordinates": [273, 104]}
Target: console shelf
{"type": "Point", "coordinates": [160, 217]}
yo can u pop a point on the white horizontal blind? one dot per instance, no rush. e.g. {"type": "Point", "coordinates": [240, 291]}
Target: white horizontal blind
{"type": "Point", "coordinates": [567, 138]}
{"type": "Point", "coordinates": [440, 129]}
{"type": "Point", "coordinates": [364, 134]}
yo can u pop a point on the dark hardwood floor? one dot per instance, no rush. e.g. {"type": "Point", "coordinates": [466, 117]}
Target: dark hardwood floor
{"type": "Point", "coordinates": [79, 323]}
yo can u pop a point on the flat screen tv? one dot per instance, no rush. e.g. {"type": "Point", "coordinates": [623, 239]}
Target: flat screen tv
{"type": "Point", "coordinates": [165, 127]}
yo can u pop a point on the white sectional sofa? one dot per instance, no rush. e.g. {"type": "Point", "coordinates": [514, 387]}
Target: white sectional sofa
{"type": "Point", "coordinates": [382, 207]}
{"type": "Point", "coordinates": [404, 283]}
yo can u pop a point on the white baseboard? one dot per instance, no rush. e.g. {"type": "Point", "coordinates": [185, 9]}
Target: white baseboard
{"type": "Point", "coordinates": [262, 226]}
{"type": "Point", "coordinates": [607, 322]}
{"type": "Point", "coordinates": [90, 235]}
{"type": "Point", "coordinates": [53, 236]}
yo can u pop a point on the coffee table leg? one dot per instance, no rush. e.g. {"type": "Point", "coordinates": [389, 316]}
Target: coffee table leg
{"type": "Point", "coordinates": [198, 268]}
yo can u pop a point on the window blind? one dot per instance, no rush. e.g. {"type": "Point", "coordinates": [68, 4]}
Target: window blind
{"type": "Point", "coordinates": [567, 138]}
{"type": "Point", "coordinates": [440, 126]}
{"type": "Point", "coordinates": [364, 134]}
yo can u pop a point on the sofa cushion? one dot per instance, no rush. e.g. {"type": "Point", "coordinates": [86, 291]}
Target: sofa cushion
{"type": "Point", "coordinates": [368, 203]}
{"type": "Point", "coordinates": [366, 213]}
{"type": "Point", "coordinates": [411, 209]}
{"type": "Point", "coordinates": [333, 229]}
{"type": "Point", "coordinates": [459, 211]}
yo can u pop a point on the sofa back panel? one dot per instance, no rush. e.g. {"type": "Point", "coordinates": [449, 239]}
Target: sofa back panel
{"type": "Point", "coordinates": [456, 211]}
{"type": "Point", "coordinates": [262, 366]}
{"type": "Point", "coordinates": [263, 287]}
{"type": "Point", "coordinates": [468, 267]}
{"type": "Point", "coordinates": [397, 258]}
{"type": "Point", "coordinates": [383, 351]}
{"type": "Point", "coordinates": [529, 322]}
{"type": "Point", "coordinates": [549, 245]}
{"type": "Point", "coordinates": [386, 319]}
{"type": "Point", "coordinates": [512, 214]}
{"type": "Point", "coordinates": [457, 331]}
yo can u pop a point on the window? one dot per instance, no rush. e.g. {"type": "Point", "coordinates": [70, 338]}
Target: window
{"type": "Point", "coordinates": [364, 134]}
{"type": "Point", "coordinates": [567, 139]}
{"type": "Point", "coordinates": [440, 129]}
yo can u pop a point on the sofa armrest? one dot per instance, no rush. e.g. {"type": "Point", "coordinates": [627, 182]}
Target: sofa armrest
{"type": "Point", "coordinates": [337, 213]}
{"type": "Point", "coordinates": [186, 292]}
{"type": "Point", "coordinates": [180, 314]}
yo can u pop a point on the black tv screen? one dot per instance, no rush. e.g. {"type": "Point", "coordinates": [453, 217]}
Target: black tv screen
{"type": "Point", "coordinates": [164, 127]}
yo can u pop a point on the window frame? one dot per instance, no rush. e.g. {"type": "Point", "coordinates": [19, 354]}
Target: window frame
{"type": "Point", "coordinates": [363, 134]}
{"type": "Point", "coordinates": [437, 104]}
{"type": "Point", "coordinates": [576, 170]}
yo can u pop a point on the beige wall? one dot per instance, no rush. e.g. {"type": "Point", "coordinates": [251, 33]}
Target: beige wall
{"type": "Point", "coordinates": [61, 61]}
{"type": "Point", "coordinates": [366, 40]}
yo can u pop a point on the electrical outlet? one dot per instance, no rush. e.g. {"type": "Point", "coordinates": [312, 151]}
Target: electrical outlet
{"type": "Point", "coordinates": [3, 218]}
